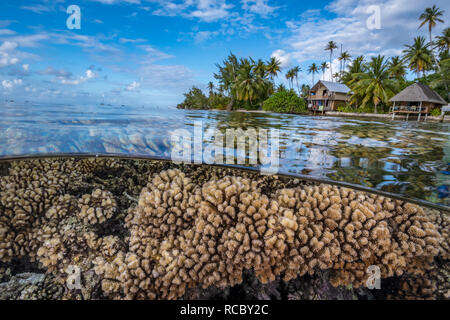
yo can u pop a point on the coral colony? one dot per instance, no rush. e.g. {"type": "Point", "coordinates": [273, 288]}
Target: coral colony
{"type": "Point", "coordinates": [156, 230]}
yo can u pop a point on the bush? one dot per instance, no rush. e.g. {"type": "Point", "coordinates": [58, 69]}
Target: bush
{"type": "Point", "coordinates": [285, 101]}
{"type": "Point", "coordinates": [194, 99]}
{"type": "Point", "coordinates": [366, 109]}
{"type": "Point", "coordinates": [436, 112]}
{"type": "Point", "coordinates": [346, 108]}
{"type": "Point", "coordinates": [218, 101]}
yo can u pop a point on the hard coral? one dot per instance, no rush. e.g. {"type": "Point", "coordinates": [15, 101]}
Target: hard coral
{"type": "Point", "coordinates": [96, 207]}
{"type": "Point", "coordinates": [207, 227]}
{"type": "Point", "coordinates": [184, 235]}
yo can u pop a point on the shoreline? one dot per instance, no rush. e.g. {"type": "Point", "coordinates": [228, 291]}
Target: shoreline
{"type": "Point", "coordinates": [446, 118]}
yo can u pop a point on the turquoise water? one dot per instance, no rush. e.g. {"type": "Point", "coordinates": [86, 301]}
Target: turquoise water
{"type": "Point", "coordinates": [407, 158]}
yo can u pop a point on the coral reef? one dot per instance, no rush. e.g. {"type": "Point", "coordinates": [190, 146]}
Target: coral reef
{"type": "Point", "coordinates": [197, 228]}
{"type": "Point", "coordinates": [96, 207]}
{"type": "Point", "coordinates": [184, 236]}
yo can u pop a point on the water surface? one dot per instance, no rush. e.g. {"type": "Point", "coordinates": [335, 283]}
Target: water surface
{"type": "Point", "coordinates": [408, 158]}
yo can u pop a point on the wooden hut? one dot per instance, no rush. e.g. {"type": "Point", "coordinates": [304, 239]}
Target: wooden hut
{"type": "Point", "coordinates": [326, 95]}
{"type": "Point", "coordinates": [418, 99]}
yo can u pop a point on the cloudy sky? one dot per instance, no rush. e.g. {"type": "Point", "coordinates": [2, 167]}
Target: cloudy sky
{"type": "Point", "coordinates": [151, 51]}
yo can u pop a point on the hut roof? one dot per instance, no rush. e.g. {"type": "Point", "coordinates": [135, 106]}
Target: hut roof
{"type": "Point", "coordinates": [418, 92]}
{"type": "Point", "coordinates": [333, 86]}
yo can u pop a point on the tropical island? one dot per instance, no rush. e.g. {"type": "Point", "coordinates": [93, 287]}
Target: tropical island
{"type": "Point", "coordinates": [365, 85]}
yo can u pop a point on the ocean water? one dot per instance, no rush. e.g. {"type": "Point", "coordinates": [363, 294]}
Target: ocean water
{"type": "Point", "coordinates": [406, 158]}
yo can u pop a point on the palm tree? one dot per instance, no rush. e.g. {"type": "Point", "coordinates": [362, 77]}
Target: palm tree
{"type": "Point", "coordinates": [246, 84]}
{"type": "Point", "coordinates": [431, 17]}
{"type": "Point", "coordinates": [313, 69]}
{"type": "Point", "coordinates": [357, 66]}
{"type": "Point", "coordinates": [418, 55]}
{"type": "Point", "coordinates": [260, 69]}
{"type": "Point", "coordinates": [295, 71]}
{"type": "Point", "coordinates": [443, 41]}
{"type": "Point", "coordinates": [397, 68]}
{"type": "Point", "coordinates": [290, 78]}
{"type": "Point", "coordinates": [374, 85]}
{"type": "Point", "coordinates": [305, 90]}
{"type": "Point", "coordinates": [273, 66]}
{"type": "Point", "coordinates": [336, 75]}
{"type": "Point", "coordinates": [331, 45]}
{"type": "Point", "coordinates": [281, 88]}
{"type": "Point", "coordinates": [323, 68]}
{"type": "Point", "coordinates": [211, 88]}
{"type": "Point", "coordinates": [344, 57]}
{"type": "Point", "coordinates": [443, 78]}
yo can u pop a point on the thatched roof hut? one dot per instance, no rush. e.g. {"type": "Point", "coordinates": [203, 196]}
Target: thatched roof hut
{"type": "Point", "coordinates": [418, 92]}
{"type": "Point", "coordinates": [417, 99]}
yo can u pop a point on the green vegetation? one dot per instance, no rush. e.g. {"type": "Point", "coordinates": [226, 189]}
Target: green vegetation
{"type": "Point", "coordinates": [435, 112]}
{"type": "Point", "coordinates": [367, 109]}
{"type": "Point", "coordinates": [246, 84]}
{"type": "Point", "coordinates": [285, 101]}
{"type": "Point", "coordinates": [374, 82]}
{"type": "Point", "coordinates": [374, 86]}
{"type": "Point", "coordinates": [194, 99]}
{"type": "Point", "coordinates": [243, 83]}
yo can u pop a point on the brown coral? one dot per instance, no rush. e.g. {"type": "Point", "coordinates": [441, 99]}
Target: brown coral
{"type": "Point", "coordinates": [96, 207]}
{"type": "Point", "coordinates": [200, 228]}
{"type": "Point", "coordinates": [232, 226]}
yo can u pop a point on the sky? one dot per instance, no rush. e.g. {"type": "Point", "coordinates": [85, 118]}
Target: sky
{"type": "Point", "coordinates": [150, 52]}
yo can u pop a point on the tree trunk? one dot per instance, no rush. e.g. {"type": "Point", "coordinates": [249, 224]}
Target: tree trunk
{"type": "Point", "coordinates": [432, 53]}
{"type": "Point", "coordinates": [331, 67]}
{"type": "Point", "coordinates": [230, 105]}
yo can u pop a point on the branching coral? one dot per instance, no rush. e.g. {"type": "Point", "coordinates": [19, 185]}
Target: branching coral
{"type": "Point", "coordinates": [200, 228]}
{"type": "Point", "coordinates": [25, 195]}
{"type": "Point", "coordinates": [96, 207]}
{"type": "Point", "coordinates": [185, 235]}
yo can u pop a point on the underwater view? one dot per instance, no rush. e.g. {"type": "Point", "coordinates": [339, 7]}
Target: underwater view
{"type": "Point", "coordinates": [224, 158]}
{"type": "Point", "coordinates": [105, 228]}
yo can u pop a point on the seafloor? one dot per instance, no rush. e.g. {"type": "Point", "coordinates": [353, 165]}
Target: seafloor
{"type": "Point", "coordinates": [134, 229]}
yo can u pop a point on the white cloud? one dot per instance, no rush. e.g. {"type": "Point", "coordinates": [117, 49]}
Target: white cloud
{"type": "Point", "coordinates": [283, 57]}
{"type": "Point", "coordinates": [153, 54]}
{"type": "Point", "coordinates": [6, 32]}
{"type": "Point", "coordinates": [202, 36]}
{"type": "Point", "coordinates": [204, 10]}
{"type": "Point", "coordinates": [26, 67]}
{"type": "Point", "coordinates": [118, 1]}
{"type": "Point", "coordinates": [260, 7]}
{"type": "Point", "coordinates": [399, 24]}
{"type": "Point", "coordinates": [89, 74]}
{"type": "Point", "coordinates": [133, 86]}
{"type": "Point", "coordinates": [9, 84]}
{"type": "Point", "coordinates": [38, 8]}
{"type": "Point", "coordinates": [211, 10]}
{"type": "Point", "coordinates": [7, 54]}
{"type": "Point", "coordinates": [126, 40]}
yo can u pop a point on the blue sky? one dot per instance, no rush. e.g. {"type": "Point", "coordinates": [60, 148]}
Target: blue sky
{"type": "Point", "coordinates": [151, 51]}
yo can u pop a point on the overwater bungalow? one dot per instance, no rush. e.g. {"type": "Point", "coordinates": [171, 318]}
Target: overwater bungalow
{"type": "Point", "coordinates": [418, 100]}
{"type": "Point", "coordinates": [326, 95]}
